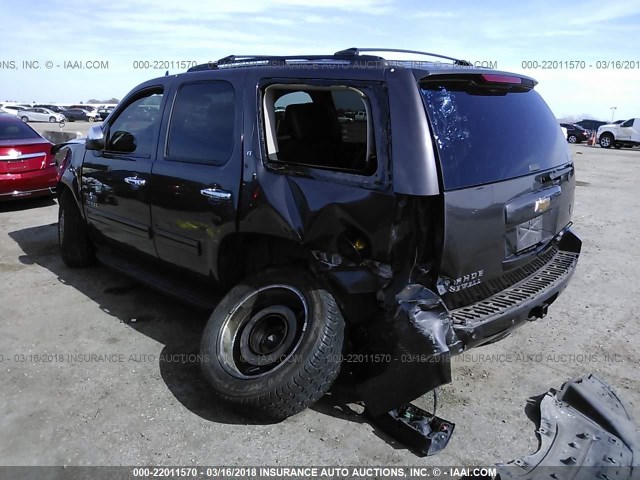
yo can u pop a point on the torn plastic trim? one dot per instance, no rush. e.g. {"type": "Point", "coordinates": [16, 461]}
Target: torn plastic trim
{"type": "Point", "coordinates": [416, 340]}
{"type": "Point", "coordinates": [585, 432]}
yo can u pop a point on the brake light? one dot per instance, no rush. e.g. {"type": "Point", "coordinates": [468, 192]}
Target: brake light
{"type": "Point", "coordinates": [494, 78]}
{"type": "Point", "coordinates": [62, 165]}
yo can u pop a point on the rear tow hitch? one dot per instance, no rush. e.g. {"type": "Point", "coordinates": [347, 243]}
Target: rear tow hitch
{"type": "Point", "coordinates": [539, 312]}
{"type": "Point", "coordinates": [421, 432]}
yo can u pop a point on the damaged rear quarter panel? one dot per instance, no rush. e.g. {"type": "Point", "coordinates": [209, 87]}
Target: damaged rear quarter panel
{"type": "Point", "coordinates": [314, 207]}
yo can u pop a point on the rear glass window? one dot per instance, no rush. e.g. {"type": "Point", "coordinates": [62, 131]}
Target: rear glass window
{"type": "Point", "coordinates": [16, 131]}
{"type": "Point", "coordinates": [485, 136]}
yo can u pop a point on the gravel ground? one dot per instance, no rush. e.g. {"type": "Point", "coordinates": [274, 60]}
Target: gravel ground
{"type": "Point", "coordinates": [132, 408]}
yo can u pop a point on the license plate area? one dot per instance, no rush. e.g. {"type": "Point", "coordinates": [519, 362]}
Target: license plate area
{"type": "Point", "coordinates": [529, 233]}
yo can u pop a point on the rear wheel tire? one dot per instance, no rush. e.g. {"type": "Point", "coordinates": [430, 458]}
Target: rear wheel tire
{"type": "Point", "coordinates": [606, 140]}
{"type": "Point", "coordinates": [273, 344]}
{"type": "Point", "coordinates": [572, 139]}
{"type": "Point", "coordinates": [24, 119]}
{"type": "Point", "coordinates": [52, 119]}
{"type": "Point", "coordinates": [75, 247]}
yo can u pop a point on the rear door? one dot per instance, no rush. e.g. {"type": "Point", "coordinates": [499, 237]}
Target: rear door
{"type": "Point", "coordinates": [196, 179]}
{"type": "Point", "coordinates": [116, 181]}
{"type": "Point", "coordinates": [507, 175]}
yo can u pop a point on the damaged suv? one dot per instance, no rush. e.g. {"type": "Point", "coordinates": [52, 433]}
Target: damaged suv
{"type": "Point", "coordinates": [330, 209]}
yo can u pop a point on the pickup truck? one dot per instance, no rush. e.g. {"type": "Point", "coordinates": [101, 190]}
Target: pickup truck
{"type": "Point", "coordinates": [626, 134]}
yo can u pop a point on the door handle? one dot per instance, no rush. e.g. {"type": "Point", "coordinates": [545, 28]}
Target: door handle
{"type": "Point", "coordinates": [135, 181]}
{"type": "Point", "coordinates": [216, 193]}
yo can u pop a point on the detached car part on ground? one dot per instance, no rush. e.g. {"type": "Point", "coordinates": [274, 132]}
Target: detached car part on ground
{"type": "Point", "coordinates": [585, 432]}
{"type": "Point", "coordinates": [399, 215]}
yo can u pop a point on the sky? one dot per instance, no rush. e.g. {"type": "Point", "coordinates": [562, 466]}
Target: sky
{"type": "Point", "coordinates": [121, 36]}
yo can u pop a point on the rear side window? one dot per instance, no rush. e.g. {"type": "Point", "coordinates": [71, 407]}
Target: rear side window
{"type": "Point", "coordinates": [319, 127]}
{"type": "Point", "coordinates": [16, 130]}
{"type": "Point", "coordinates": [202, 123]}
{"type": "Point", "coordinates": [485, 136]}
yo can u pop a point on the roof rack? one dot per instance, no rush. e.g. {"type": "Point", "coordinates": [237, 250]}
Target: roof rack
{"type": "Point", "coordinates": [349, 55]}
{"type": "Point", "coordinates": [354, 52]}
{"type": "Point", "coordinates": [242, 60]}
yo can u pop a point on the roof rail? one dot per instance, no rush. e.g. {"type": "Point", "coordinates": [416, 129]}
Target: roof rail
{"type": "Point", "coordinates": [354, 52]}
{"type": "Point", "coordinates": [348, 55]}
{"type": "Point", "coordinates": [230, 60]}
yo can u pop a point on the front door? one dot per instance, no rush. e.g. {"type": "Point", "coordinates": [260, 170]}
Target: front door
{"type": "Point", "coordinates": [115, 181]}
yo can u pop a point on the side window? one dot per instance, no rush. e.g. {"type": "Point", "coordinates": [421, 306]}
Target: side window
{"type": "Point", "coordinates": [135, 127]}
{"type": "Point", "coordinates": [628, 123]}
{"type": "Point", "coordinates": [320, 127]}
{"type": "Point", "coordinates": [202, 123]}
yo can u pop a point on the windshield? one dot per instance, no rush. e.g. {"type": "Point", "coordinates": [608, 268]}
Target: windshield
{"type": "Point", "coordinates": [487, 135]}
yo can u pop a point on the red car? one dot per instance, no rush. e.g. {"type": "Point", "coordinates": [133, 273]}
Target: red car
{"type": "Point", "coordinates": [27, 167]}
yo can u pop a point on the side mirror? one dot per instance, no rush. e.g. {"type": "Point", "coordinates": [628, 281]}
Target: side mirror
{"type": "Point", "coordinates": [95, 139]}
{"type": "Point", "coordinates": [122, 142]}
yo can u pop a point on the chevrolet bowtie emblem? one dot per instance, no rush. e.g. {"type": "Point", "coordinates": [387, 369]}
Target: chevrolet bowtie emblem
{"type": "Point", "coordinates": [542, 205]}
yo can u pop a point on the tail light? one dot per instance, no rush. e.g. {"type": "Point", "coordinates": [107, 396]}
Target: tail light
{"type": "Point", "coordinates": [61, 160]}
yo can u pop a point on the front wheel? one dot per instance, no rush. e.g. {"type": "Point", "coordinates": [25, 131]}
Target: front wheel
{"type": "Point", "coordinates": [52, 119]}
{"type": "Point", "coordinates": [24, 119]}
{"type": "Point", "coordinates": [91, 119]}
{"type": "Point", "coordinates": [75, 246]}
{"type": "Point", "coordinates": [273, 345]}
{"type": "Point", "coordinates": [606, 140]}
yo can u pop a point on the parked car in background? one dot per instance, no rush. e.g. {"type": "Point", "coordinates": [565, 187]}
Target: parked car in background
{"type": "Point", "coordinates": [53, 108]}
{"type": "Point", "coordinates": [92, 112]}
{"type": "Point", "coordinates": [74, 114]}
{"type": "Point", "coordinates": [27, 167]}
{"type": "Point", "coordinates": [104, 112]}
{"type": "Point", "coordinates": [41, 115]}
{"type": "Point", "coordinates": [590, 124]}
{"type": "Point", "coordinates": [12, 109]}
{"type": "Point", "coordinates": [87, 108]}
{"type": "Point", "coordinates": [625, 134]}
{"type": "Point", "coordinates": [575, 133]}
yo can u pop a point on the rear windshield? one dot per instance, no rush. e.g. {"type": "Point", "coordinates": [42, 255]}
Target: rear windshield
{"type": "Point", "coordinates": [485, 136]}
{"type": "Point", "coordinates": [16, 130]}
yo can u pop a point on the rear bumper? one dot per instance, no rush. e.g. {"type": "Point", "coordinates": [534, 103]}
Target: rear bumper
{"type": "Point", "coordinates": [418, 334]}
{"type": "Point", "coordinates": [496, 316]}
{"type": "Point", "coordinates": [28, 184]}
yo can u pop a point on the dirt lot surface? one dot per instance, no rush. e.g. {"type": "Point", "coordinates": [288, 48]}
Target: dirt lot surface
{"type": "Point", "coordinates": [140, 401]}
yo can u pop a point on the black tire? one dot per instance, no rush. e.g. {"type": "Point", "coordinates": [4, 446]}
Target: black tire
{"type": "Point", "coordinates": [25, 119]}
{"type": "Point", "coordinates": [572, 139]}
{"type": "Point", "coordinates": [52, 119]}
{"type": "Point", "coordinates": [253, 361]}
{"type": "Point", "coordinates": [75, 247]}
{"type": "Point", "coordinates": [617, 146]}
{"type": "Point", "coordinates": [606, 140]}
